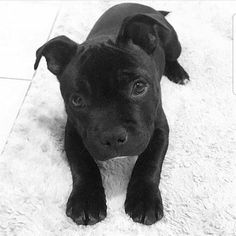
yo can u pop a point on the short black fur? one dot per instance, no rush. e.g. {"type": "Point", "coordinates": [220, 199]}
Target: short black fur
{"type": "Point", "coordinates": [111, 88]}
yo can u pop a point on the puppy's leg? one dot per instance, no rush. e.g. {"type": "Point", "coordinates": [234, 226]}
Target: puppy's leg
{"type": "Point", "coordinates": [176, 73]}
{"type": "Point", "coordinates": [172, 47]}
{"type": "Point", "coordinates": [143, 201]}
{"type": "Point", "coordinates": [87, 203]}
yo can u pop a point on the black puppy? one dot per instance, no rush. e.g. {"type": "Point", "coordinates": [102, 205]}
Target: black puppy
{"type": "Point", "coordinates": [111, 88]}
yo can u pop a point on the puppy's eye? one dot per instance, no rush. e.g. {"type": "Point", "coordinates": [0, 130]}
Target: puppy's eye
{"type": "Point", "coordinates": [77, 101]}
{"type": "Point", "coordinates": [139, 88]}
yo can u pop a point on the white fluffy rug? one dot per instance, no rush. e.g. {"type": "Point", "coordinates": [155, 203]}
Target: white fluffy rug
{"type": "Point", "coordinates": [199, 174]}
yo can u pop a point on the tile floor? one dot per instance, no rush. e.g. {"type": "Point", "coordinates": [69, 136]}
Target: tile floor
{"type": "Point", "coordinates": [25, 25]}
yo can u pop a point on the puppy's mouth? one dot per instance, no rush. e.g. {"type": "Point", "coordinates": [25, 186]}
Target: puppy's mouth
{"type": "Point", "coordinates": [106, 157]}
{"type": "Point", "coordinates": [118, 158]}
{"type": "Point", "coordinates": [100, 158]}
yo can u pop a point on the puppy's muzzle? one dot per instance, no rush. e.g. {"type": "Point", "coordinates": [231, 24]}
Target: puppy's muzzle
{"type": "Point", "coordinates": [114, 139]}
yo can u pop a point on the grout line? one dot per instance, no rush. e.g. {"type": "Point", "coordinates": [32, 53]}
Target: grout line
{"type": "Point", "coordinates": [7, 78]}
{"type": "Point", "coordinates": [54, 22]}
{"type": "Point", "coordinates": [4, 146]}
{"type": "Point", "coordinates": [30, 83]}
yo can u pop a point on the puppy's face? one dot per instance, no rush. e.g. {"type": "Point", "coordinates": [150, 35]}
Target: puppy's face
{"type": "Point", "coordinates": [111, 94]}
{"type": "Point", "coordinates": [111, 88]}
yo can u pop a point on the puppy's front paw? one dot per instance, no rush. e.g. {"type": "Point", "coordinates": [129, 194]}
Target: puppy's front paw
{"type": "Point", "coordinates": [87, 205]}
{"type": "Point", "coordinates": [143, 203]}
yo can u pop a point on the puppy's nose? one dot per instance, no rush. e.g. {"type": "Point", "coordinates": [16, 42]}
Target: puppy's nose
{"type": "Point", "coordinates": [114, 138]}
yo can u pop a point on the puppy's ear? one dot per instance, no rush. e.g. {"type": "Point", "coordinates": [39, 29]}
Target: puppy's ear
{"type": "Point", "coordinates": [58, 53]}
{"type": "Point", "coordinates": [144, 30]}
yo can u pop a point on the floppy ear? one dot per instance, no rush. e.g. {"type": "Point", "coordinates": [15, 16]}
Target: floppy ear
{"type": "Point", "coordinates": [145, 30]}
{"type": "Point", "coordinates": [58, 53]}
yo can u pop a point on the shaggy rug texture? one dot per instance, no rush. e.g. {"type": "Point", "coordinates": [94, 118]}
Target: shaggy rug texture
{"type": "Point", "coordinates": [198, 182]}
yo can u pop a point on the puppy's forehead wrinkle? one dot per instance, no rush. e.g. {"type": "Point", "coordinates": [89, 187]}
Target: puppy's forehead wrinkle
{"type": "Point", "coordinates": [132, 74]}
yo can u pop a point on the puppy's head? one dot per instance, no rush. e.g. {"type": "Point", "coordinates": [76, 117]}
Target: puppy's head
{"type": "Point", "coordinates": [110, 88]}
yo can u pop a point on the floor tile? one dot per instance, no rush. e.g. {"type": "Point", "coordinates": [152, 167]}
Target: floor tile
{"type": "Point", "coordinates": [12, 93]}
{"type": "Point", "coordinates": [25, 26]}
